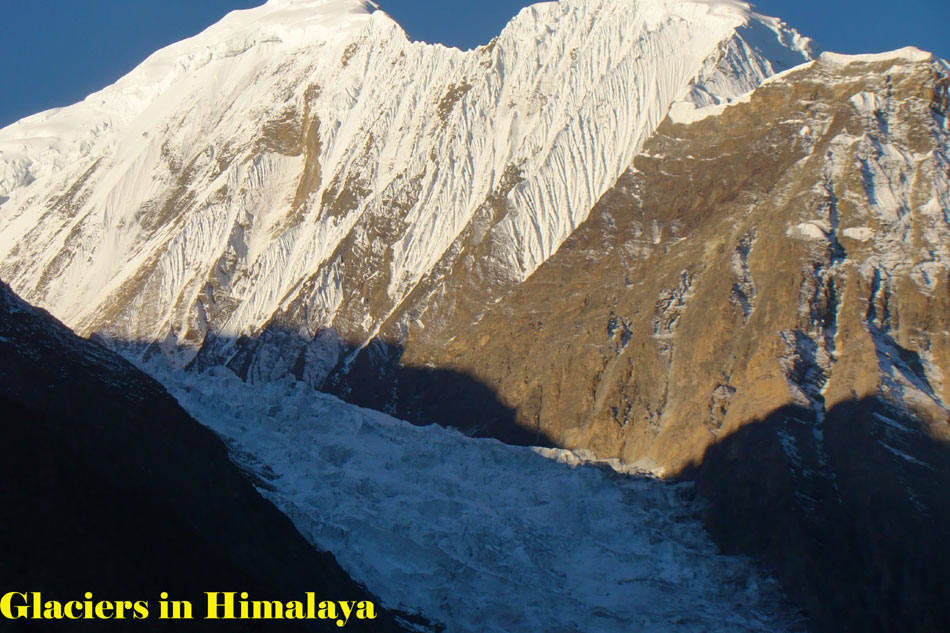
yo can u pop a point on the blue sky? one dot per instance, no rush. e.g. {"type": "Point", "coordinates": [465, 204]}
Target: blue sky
{"type": "Point", "coordinates": [56, 52]}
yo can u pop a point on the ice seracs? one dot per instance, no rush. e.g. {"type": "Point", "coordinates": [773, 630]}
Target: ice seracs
{"type": "Point", "coordinates": [476, 535]}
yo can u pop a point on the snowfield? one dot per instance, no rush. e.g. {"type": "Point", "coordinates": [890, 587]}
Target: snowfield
{"type": "Point", "coordinates": [477, 535]}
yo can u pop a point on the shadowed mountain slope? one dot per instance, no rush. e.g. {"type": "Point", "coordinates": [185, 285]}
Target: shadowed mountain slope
{"type": "Point", "coordinates": [855, 530]}
{"type": "Point", "coordinates": [108, 486]}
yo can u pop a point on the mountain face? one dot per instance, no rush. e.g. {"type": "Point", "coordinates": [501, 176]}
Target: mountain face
{"type": "Point", "coordinates": [109, 487]}
{"type": "Point", "coordinates": [761, 303]}
{"type": "Point", "coordinates": [661, 231]}
{"type": "Point", "coordinates": [791, 250]}
{"type": "Point", "coordinates": [303, 169]}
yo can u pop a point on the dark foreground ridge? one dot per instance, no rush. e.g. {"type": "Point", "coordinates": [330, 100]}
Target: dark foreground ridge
{"type": "Point", "coordinates": [108, 486]}
{"type": "Point", "coordinates": [855, 522]}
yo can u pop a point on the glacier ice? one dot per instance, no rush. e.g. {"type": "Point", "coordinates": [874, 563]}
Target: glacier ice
{"type": "Point", "coordinates": [478, 535]}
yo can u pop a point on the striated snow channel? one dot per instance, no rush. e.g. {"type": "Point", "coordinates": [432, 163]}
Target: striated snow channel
{"type": "Point", "coordinates": [478, 536]}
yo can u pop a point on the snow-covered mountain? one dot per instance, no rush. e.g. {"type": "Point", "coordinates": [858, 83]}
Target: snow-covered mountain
{"type": "Point", "coordinates": [664, 231]}
{"type": "Point", "coordinates": [306, 158]}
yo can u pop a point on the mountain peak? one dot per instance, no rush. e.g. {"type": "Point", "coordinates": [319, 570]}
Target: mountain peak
{"type": "Point", "coordinates": [908, 54]}
{"type": "Point", "coordinates": [241, 158]}
{"type": "Point", "coordinates": [331, 19]}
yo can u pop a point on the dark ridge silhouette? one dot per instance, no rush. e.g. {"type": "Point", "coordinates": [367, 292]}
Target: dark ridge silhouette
{"type": "Point", "coordinates": [108, 486]}
{"type": "Point", "coordinates": [423, 395]}
{"type": "Point", "coordinates": [855, 523]}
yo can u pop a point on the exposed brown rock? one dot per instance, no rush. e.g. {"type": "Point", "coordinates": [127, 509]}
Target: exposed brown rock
{"type": "Point", "coordinates": [762, 304]}
{"type": "Point", "coordinates": [697, 296]}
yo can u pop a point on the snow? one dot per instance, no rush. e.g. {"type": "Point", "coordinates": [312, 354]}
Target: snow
{"type": "Point", "coordinates": [568, 93]}
{"type": "Point", "coordinates": [684, 112]}
{"type": "Point", "coordinates": [40, 145]}
{"type": "Point", "coordinates": [904, 456]}
{"type": "Point", "coordinates": [900, 205]}
{"type": "Point", "coordinates": [859, 233]}
{"type": "Point", "coordinates": [807, 231]}
{"type": "Point", "coordinates": [909, 53]}
{"type": "Point", "coordinates": [765, 48]}
{"type": "Point", "coordinates": [868, 103]}
{"type": "Point", "coordinates": [478, 535]}
{"type": "Point", "coordinates": [891, 423]}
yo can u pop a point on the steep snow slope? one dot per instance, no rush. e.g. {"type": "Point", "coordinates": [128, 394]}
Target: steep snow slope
{"type": "Point", "coordinates": [243, 169]}
{"type": "Point", "coordinates": [478, 535]}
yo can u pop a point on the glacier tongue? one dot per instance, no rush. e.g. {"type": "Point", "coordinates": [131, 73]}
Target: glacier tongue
{"type": "Point", "coordinates": [477, 535]}
{"type": "Point", "coordinates": [205, 190]}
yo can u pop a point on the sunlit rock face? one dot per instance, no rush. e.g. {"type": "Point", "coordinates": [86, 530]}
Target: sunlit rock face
{"type": "Point", "coordinates": [792, 249]}
{"type": "Point", "coordinates": [761, 304]}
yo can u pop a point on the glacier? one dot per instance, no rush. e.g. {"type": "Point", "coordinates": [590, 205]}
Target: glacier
{"type": "Point", "coordinates": [476, 535]}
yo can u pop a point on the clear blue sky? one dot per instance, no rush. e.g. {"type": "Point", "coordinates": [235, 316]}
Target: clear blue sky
{"type": "Point", "coordinates": [56, 52]}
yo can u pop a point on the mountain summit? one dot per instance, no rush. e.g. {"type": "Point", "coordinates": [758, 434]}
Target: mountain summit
{"type": "Point", "coordinates": [304, 162]}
